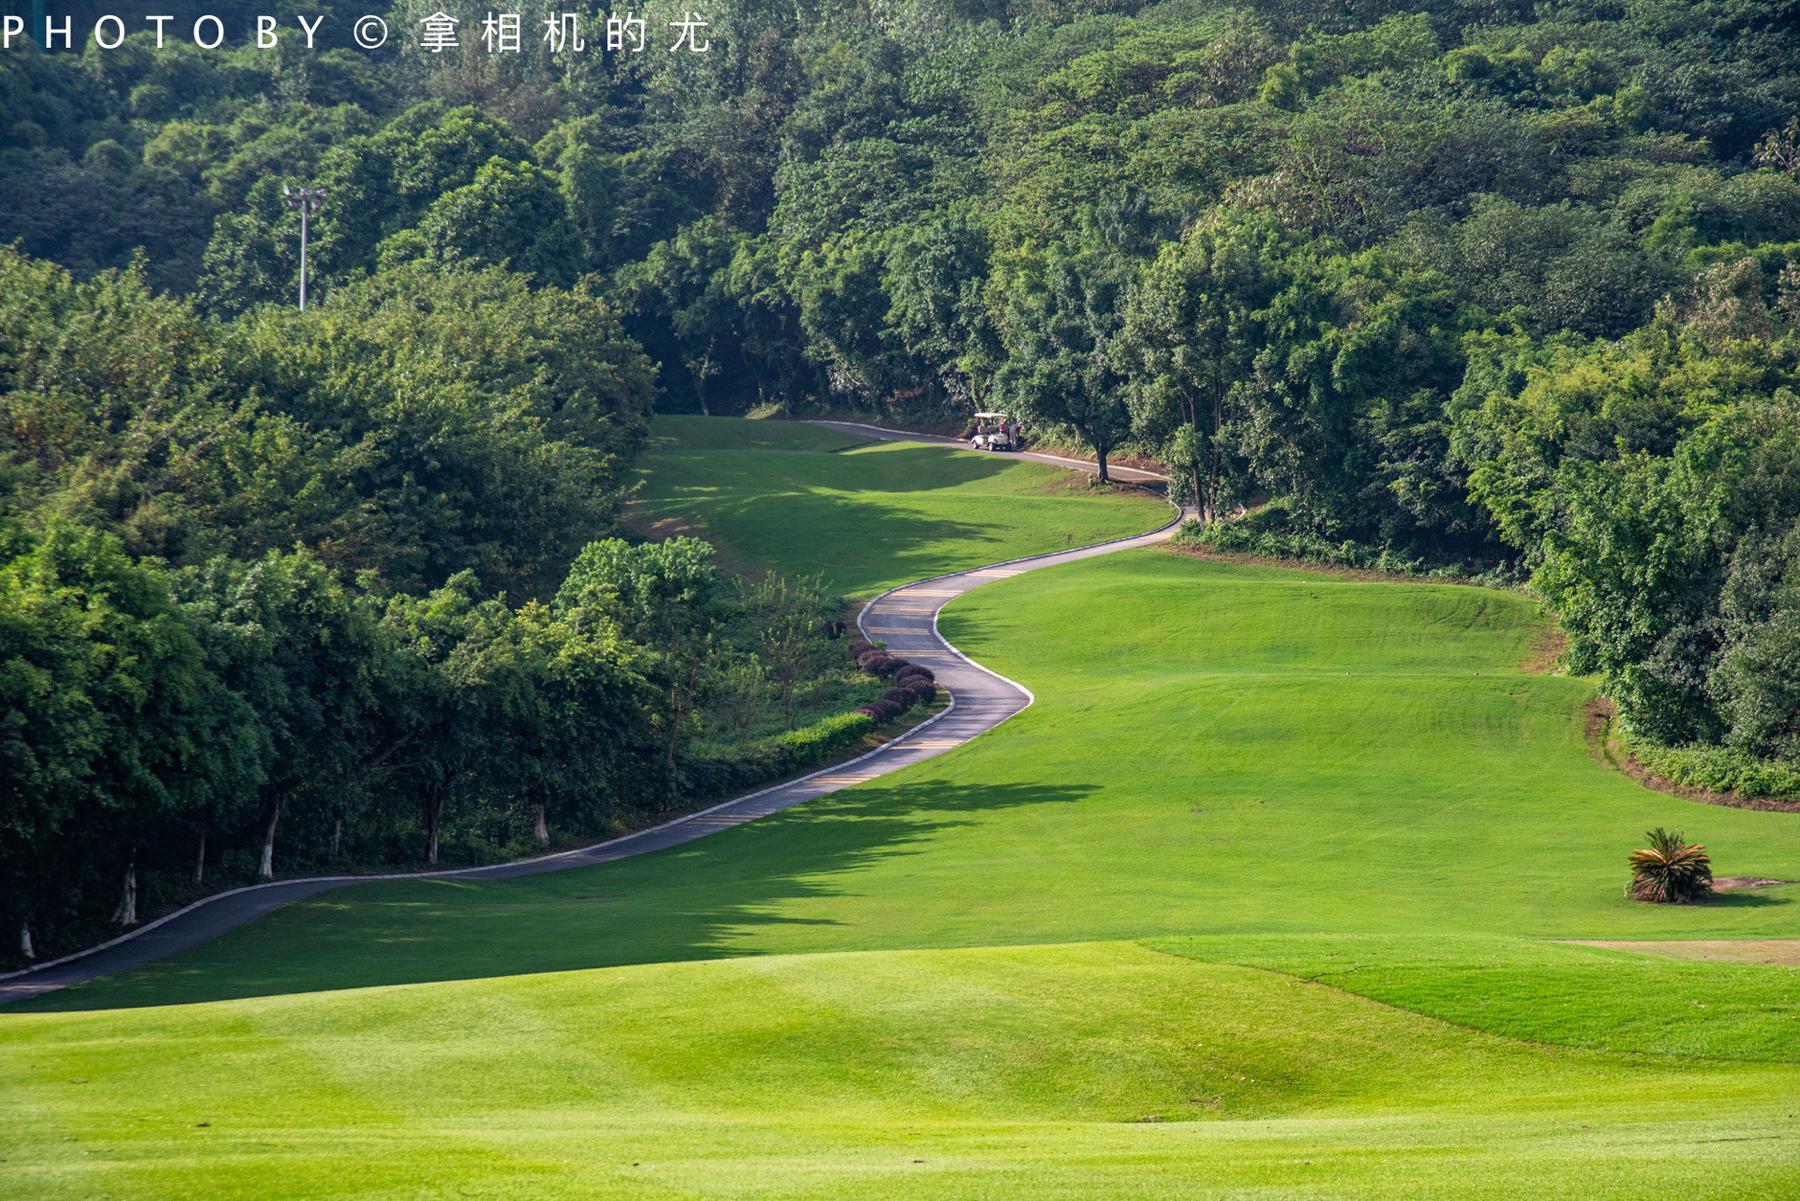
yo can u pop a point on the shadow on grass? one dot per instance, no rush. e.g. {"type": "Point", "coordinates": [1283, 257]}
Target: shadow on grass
{"type": "Point", "coordinates": [706, 899]}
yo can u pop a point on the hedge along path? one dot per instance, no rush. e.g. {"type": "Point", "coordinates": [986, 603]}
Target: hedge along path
{"type": "Point", "coordinates": [904, 617]}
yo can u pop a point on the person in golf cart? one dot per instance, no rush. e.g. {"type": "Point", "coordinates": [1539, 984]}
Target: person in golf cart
{"type": "Point", "coordinates": [995, 431]}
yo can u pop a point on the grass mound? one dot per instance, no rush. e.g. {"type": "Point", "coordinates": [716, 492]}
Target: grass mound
{"type": "Point", "coordinates": [1092, 1070]}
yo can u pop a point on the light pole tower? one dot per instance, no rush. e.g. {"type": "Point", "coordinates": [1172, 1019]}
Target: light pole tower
{"type": "Point", "coordinates": [307, 200]}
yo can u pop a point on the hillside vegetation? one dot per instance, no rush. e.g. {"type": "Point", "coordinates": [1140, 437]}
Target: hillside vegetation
{"type": "Point", "coordinates": [1478, 285]}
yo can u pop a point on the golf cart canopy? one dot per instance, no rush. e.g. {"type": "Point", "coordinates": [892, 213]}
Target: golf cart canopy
{"type": "Point", "coordinates": [989, 416]}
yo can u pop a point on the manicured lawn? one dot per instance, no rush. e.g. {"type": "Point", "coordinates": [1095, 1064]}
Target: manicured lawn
{"type": "Point", "coordinates": [868, 515]}
{"type": "Point", "coordinates": [1229, 750]}
{"type": "Point", "coordinates": [1086, 1070]}
{"type": "Point", "coordinates": [1185, 928]}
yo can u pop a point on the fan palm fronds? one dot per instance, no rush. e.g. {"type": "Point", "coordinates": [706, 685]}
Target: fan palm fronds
{"type": "Point", "coordinates": [1670, 871]}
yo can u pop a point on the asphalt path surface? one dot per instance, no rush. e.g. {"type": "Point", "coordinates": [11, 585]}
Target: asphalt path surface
{"type": "Point", "coordinates": [904, 618]}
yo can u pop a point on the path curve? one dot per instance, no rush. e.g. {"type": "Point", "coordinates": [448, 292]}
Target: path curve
{"type": "Point", "coordinates": [905, 618]}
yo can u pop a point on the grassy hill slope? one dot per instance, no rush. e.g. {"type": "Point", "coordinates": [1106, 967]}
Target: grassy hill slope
{"type": "Point", "coordinates": [868, 515]}
{"type": "Point", "coordinates": [1260, 895]}
{"type": "Point", "coordinates": [1089, 1070]}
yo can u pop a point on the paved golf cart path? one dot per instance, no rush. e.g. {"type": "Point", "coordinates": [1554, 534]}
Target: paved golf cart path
{"type": "Point", "coordinates": [904, 618]}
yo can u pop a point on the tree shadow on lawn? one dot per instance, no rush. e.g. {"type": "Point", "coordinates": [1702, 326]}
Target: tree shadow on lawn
{"type": "Point", "coordinates": [855, 541]}
{"type": "Point", "coordinates": [694, 901]}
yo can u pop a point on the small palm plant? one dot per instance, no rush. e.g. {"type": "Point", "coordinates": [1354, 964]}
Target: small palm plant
{"type": "Point", "coordinates": [1670, 871]}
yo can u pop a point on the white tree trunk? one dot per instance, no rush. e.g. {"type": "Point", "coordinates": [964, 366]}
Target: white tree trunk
{"type": "Point", "coordinates": [542, 829]}
{"type": "Point", "coordinates": [200, 861]}
{"type": "Point", "coordinates": [25, 948]}
{"type": "Point", "coordinates": [337, 836]}
{"type": "Point", "coordinates": [267, 870]}
{"type": "Point", "coordinates": [126, 914]}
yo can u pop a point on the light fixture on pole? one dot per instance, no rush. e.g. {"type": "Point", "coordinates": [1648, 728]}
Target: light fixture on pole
{"type": "Point", "coordinates": [307, 200]}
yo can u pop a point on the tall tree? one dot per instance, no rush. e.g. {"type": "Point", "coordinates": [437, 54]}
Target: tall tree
{"type": "Point", "coordinates": [1188, 345]}
{"type": "Point", "coordinates": [1058, 328]}
{"type": "Point", "coordinates": [665, 596]}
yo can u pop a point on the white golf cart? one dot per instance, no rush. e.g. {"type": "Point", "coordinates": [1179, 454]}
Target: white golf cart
{"type": "Point", "coordinates": [994, 431]}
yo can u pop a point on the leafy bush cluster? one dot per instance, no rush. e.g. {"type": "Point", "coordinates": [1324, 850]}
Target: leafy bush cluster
{"type": "Point", "coordinates": [782, 755]}
{"type": "Point", "coordinates": [1716, 769]}
{"type": "Point", "coordinates": [291, 592]}
{"type": "Point", "coordinates": [913, 684]}
{"type": "Point", "coordinates": [1269, 532]}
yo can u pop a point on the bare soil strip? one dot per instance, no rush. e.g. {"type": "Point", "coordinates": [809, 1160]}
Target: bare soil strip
{"type": "Point", "coordinates": [1781, 952]}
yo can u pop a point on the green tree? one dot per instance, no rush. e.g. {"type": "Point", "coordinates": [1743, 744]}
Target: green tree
{"type": "Point", "coordinates": [789, 617]}
{"type": "Point", "coordinates": [510, 215]}
{"type": "Point", "coordinates": [936, 274]}
{"type": "Point", "coordinates": [1188, 346]}
{"type": "Point", "coordinates": [305, 653]}
{"type": "Point", "coordinates": [665, 596]}
{"type": "Point", "coordinates": [1059, 370]}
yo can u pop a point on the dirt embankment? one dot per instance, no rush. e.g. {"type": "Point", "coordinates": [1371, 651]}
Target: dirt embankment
{"type": "Point", "coordinates": [1604, 746]}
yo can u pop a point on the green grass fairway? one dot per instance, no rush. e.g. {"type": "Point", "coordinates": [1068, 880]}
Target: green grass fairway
{"type": "Point", "coordinates": [1263, 898]}
{"type": "Point", "coordinates": [867, 515]}
{"type": "Point", "coordinates": [1078, 1071]}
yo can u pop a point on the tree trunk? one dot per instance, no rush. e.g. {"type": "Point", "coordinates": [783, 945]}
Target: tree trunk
{"type": "Point", "coordinates": [1214, 457]}
{"type": "Point", "coordinates": [680, 698]}
{"type": "Point", "coordinates": [1100, 460]}
{"type": "Point", "coordinates": [700, 374]}
{"type": "Point", "coordinates": [434, 810]}
{"type": "Point", "coordinates": [337, 837]}
{"type": "Point", "coordinates": [200, 861]}
{"type": "Point", "coordinates": [267, 870]}
{"type": "Point", "coordinates": [25, 948]}
{"type": "Point", "coordinates": [126, 913]}
{"type": "Point", "coordinates": [541, 828]}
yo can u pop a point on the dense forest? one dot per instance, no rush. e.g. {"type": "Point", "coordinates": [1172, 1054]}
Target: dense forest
{"type": "Point", "coordinates": [1490, 287]}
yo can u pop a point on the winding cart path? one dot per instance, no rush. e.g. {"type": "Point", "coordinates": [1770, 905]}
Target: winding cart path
{"type": "Point", "coordinates": [905, 618]}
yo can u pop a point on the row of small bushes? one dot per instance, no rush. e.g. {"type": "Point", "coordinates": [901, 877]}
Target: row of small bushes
{"type": "Point", "coordinates": [912, 684]}
{"type": "Point", "coordinates": [1714, 768]}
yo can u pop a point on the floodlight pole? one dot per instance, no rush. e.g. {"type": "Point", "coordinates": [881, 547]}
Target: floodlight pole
{"type": "Point", "coordinates": [307, 200]}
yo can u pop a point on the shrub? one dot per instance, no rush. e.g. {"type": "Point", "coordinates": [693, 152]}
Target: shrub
{"type": "Point", "coordinates": [1670, 871]}
{"type": "Point", "coordinates": [1714, 768]}
{"type": "Point", "coordinates": [922, 690]}
{"type": "Point", "coordinates": [899, 696]}
{"type": "Point", "coordinates": [796, 750]}
{"type": "Point", "coordinates": [912, 670]}
{"type": "Point", "coordinates": [861, 647]}
{"type": "Point", "coordinates": [885, 711]}
{"type": "Point", "coordinates": [810, 744]}
{"type": "Point", "coordinates": [879, 664]}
